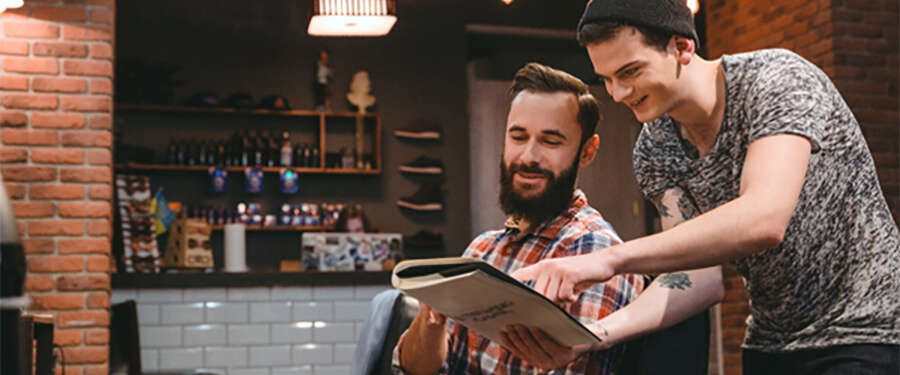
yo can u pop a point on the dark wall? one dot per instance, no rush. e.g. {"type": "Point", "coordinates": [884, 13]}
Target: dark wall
{"type": "Point", "coordinates": [418, 73]}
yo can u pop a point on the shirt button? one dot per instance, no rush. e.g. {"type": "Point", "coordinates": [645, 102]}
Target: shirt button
{"type": "Point", "coordinates": [507, 251]}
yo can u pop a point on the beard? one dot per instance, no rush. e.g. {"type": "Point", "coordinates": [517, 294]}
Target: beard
{"type": "Point", "coordinates": [550, 202]}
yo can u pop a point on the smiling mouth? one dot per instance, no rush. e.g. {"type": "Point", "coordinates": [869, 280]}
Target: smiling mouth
{"type": "Point", "coordinates": [638, 102]}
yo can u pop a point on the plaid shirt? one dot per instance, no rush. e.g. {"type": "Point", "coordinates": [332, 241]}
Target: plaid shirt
{"type": "Point", "coordinates": [578, 230]}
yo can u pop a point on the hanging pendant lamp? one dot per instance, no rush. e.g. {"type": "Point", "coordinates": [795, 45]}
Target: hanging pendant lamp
{"type": "Point", "coordinates": [352, 17]}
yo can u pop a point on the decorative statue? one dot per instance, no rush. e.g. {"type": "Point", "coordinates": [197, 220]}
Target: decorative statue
{"type": "Point", "coordinates": [360, 91]}
{"type": "Point", "coordinates": [324, 74]}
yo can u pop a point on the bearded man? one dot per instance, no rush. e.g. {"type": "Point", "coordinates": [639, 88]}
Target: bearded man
{"type": "Point", "coordinates": [549, 137]}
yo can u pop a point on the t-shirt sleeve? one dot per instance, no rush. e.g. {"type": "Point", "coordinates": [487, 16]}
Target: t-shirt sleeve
{"type": "Point", "coordinates": [650, 167]}
{"type": "Point", "coordinates": [789, 97]}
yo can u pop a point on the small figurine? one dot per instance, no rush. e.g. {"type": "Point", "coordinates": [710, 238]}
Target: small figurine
{"type": "Point", "coordinates": [360, 91]}
{"type": "Point", "coordinates": [324, 74]}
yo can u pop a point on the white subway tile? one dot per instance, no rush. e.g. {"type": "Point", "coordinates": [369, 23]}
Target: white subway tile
{"type": "Point", "coordinates": [312, 354]}
{"type": "Point", "coordinates": [351, 310]}
{"type": "Point", "coordinates": [158, 295]}
{"type": "Point", "coordinates": [312, 311]}
{"type": "Point", "coordinates": [122, 295]}
{"type": "Point", "coordinates": [180, 359]}
{"type": "Point", "coordinates": [332, 293]}
{"type": "Point", "coordinates": [331, 370]}
{"type": "Point", "coordinates": [148, 314]}
{"type": "Point", "coordinates": [367, 292]}
{"type": "Point", "coordinates": [324, 332]}
{"type": "Point", "coordinates": [149, 360]}
{"type": "Point", "coordinates": [181, 313]}
{"type": "Point", "coordinates": [248, 334]}
{"type": "Point", "coordinates": [294, 333]}
{"type": "Point", "coordinates": [358, 327]}
{"type": "Point", "coordinates": [248, 294]}
{"type": "Point", "coordinates": [266, 356]}
{"type": "Point", "coordinates": [220, 356]}
{"type": "Point", "coordinates": [291, 293]}
{"type": "Point", "coordinates": [270, 312]}
{"type": "Point", "coordinates": [227, 312]}
{"type": "Point", "coordinates": [160, 337]}
{"type": "Point", "coordinates": [248, 371]}
{"type": "Point", "coordinates": [343, 353]}
{"type": "Point", "coordinates": [299, 370]}
{"type": "Point", "coordinates": [204, 335]}
{"type": "Point", "coordinates": [205, 294]}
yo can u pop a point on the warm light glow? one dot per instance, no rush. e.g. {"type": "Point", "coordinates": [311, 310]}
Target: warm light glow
{"type": "Point", "coordinates": [507, 2]}
{"type": "Point", "coordinates": [694, 5]}
{"type": "Point", "coordinates": [10, 4]}
{"type": "Point", "coordinates": [352, 17]}
{"type": "Point", "coordinates": [351, 25]}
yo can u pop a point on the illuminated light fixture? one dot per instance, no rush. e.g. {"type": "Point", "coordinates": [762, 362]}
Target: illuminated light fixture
{"type": "Point", "coordinates": [352, 17]}
{"type": "Point", "coordinates": [694, 5]}
{"type": "Point", "coordinates": [507, 2]}
{"type": "Point", "coordinates": [9, 4]}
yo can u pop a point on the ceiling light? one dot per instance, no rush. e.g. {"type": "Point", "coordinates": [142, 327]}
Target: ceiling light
{"type": "Point", "coordinates": [694, 5]}
{"type": "Point", "coordinates": [352, 17]}
{"type": "Point", "coordinates": [9, 4]}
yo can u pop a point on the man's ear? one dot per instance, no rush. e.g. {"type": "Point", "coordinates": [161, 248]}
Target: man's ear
{"type": "Point", "coordinates": [589, 151]}
{"type": "Point", "coordinates": [683, 48]}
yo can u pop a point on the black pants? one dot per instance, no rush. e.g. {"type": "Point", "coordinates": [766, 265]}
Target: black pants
{"type": "Point", "coordinates": [838, 360]}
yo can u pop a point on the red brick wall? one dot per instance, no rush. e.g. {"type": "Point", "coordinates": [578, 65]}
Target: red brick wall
{"type": "Point", "coordinates": [856, 43]}
{"type": "Point", "coordinates": [56, 83]}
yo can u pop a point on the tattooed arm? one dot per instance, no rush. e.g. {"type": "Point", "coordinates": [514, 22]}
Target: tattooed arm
{"type": "Point", "coordinates": [672, 297]}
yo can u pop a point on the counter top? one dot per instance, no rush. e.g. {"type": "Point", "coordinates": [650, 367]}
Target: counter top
{"type": "Point", "coordinates": [249, 279]}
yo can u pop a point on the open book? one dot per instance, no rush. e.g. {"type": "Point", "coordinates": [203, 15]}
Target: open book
{"type": "Point", "coordinates": [486, 299]}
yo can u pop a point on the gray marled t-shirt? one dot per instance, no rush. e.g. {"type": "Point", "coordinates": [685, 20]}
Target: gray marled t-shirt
{"type": "Point", "coordinates": [836, 277]}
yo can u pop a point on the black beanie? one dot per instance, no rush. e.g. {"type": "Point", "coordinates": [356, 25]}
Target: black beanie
{"type": "Point", "coordinates": [672, 16]}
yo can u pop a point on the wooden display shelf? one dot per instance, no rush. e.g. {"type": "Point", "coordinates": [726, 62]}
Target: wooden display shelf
{"type": "Point", "coordinates": [283, 228]}
{"type": "Point", "coordinates": [203, 168]}
{"type": "Point", "coordinates": [239, 111]}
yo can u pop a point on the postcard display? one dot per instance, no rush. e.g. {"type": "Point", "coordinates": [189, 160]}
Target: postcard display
{"type": "Point", "coordinates": [138, 224]}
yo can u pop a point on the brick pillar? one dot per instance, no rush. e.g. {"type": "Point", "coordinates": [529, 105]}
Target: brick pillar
{"type": "Point", "coordinates": [856, 43]}
{"type": "Point", "coordinates": [56, 134]}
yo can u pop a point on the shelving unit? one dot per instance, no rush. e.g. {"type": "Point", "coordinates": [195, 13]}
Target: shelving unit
{"type": "Point", "coordinates": [282, 228]}
{"type": "Point", "coordinates": [326, 120]}
{"type": "Point", "coordinates": [145, 131]}
{"type": "Point", "coordinates": [203, 168]}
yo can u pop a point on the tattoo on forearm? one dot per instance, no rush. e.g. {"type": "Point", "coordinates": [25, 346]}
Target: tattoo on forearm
{"type": "Point", "coordinates": [677, 280]}
{"type": "Point", "coordinates": [686, 207]}
{"type": "Point", "coordinates": [663, 210]}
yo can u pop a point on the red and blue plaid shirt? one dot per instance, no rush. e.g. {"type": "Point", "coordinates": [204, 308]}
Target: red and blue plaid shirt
{"type": "Point", "coordinates": [578, 230]}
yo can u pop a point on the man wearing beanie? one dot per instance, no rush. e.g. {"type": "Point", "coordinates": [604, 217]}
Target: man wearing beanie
{"type": "Point", "coordinates": [753, 159]}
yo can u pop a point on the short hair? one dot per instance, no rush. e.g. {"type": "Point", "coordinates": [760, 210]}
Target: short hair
{"type": "Point", "coordinates": [541, 78]}
{"type": "Point", "coordinates": [598, 32]}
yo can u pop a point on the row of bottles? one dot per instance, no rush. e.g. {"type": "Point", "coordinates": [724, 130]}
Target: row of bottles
{"type": "Point", "coordinates": [244, 149]}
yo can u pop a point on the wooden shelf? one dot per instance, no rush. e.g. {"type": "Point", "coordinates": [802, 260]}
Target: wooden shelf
{"type": "Point", "coordinates": [283, 228]}
{"type": "Point", "coordinates": [203, 168]}
{"type": "Point", "coordinates": [238, 111]}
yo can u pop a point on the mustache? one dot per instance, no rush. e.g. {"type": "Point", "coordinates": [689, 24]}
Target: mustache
{"type": "Point", "coordinates": [533, 168]}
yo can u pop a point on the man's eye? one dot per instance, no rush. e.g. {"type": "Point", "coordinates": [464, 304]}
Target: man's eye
{"type": "Point", "coordinates": [518, 137]}
{"type": "Point", "coordinates": [629, 72]}
{"type": "Point", "coordinates": [553, 142]}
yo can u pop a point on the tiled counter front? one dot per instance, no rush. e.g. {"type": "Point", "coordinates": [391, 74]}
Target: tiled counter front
{"type": "Point", "coordinates": [276, 330]}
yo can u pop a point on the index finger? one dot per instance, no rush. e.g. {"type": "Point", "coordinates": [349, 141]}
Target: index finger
{"type": "Point", "coordinates": [525, 273]}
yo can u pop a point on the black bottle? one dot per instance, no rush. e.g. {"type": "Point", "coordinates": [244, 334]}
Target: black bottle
{"type": "Point", "coordinates": [315, 158]}
{"type": "Point", "coordinates": [202, 153]}
{"type": "Point", "coordinates": [259, 151]}
{"type": "Point", "coordinates": [274, 151]}
{"type": "Point", "coordinates": [246, 150]}
{"type": "Point", "coordinates": [221, 159]}
{"type": "Point", "coordinates": [181, 154]}
{"type": "Point", "coordinates": [172, 154]}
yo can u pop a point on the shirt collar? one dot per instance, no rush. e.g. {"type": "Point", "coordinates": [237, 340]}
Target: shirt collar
{"type": "Point", "coordinates": [550, 227]}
